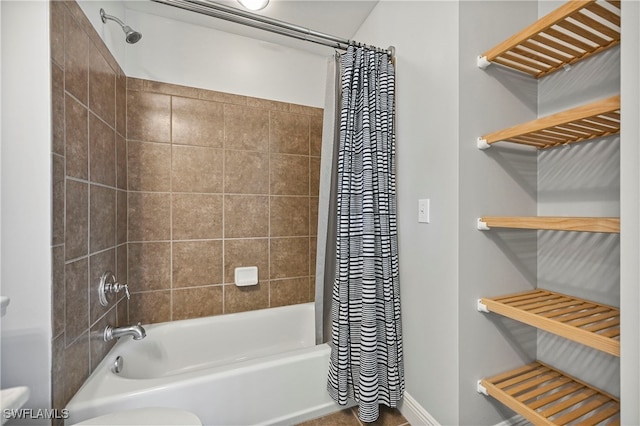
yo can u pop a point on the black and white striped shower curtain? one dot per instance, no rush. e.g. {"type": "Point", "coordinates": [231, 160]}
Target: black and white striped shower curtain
{"type": "Point", "coordinates": [366, 358]}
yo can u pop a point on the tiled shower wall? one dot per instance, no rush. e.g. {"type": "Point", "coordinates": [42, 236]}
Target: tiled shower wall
{"type": "Point", "coordinates": [218, 181]}
{"type": "Point", "coordinates": [89, 194]}
{"type": "Point", "coordinates": [171, 196]}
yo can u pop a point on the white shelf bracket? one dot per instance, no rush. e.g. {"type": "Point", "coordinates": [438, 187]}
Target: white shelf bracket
{"type": "Point", "coordinates": [482, 226]}
{"type": "Point", "coordinates": [482, 62]}
{"type": "Point", "coordinates": [481, 389]}
{"type": "Point", "coordinates": [482, 143]}
{"type": "Point", "coordinates": [481, 307]}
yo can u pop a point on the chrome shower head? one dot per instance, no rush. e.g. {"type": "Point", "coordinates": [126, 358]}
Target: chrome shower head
{"type": "Point", "coordinates": [131, 36]}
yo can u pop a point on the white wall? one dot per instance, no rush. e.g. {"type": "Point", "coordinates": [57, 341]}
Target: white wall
{"type": "Point", "coordinates": [425, 35]}
{"type": "Point", "coordinates": [26, 189]}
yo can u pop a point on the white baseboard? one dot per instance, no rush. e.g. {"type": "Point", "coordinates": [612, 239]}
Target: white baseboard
{"type": "Point", "coordinates": [415, 413]}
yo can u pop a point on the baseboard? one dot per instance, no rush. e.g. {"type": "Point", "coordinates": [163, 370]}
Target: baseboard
{"type": "Point", "coordinates": [415, 413]}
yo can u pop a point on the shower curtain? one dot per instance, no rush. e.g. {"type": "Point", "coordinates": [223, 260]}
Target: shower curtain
{"type": "Point", "coordinates": [366, 361]}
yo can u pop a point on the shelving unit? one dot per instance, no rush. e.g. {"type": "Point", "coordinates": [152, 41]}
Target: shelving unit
{"type": "Point", "coordinates": [589, 323]}
{"type": "Point", "coordinates": [586, 122]}
{"type": "Point", "coordinates": [554, 223]}
{"type": "Point", "coordinates": [571, 33]}
{"type": "Point", "coordinates": [546, 396]}
{"type": "Point", "coordinates": [542, 394]}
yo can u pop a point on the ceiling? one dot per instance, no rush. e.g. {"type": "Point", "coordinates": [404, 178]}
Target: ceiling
{"type": "Point", "coordinates": [341, 18]}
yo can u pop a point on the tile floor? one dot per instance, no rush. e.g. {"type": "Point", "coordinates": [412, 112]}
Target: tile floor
{"type": "Point", "coordinates": [349, 417]}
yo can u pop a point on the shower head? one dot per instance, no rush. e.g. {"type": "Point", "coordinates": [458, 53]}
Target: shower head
{"type": "Point", "coordinates": [130, 35]}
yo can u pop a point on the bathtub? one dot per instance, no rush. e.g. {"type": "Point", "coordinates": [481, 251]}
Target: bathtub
{"type": "Point", "coordinates": [259, 367]}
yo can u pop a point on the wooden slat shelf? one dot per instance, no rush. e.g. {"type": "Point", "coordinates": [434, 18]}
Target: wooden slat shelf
{"type": "Point", "coordinates": [594, 120]}
{"type": "Point", "coordinates": [589, 323]}
{"type": "Point", "coordinates": [573, 32]}
{"type": "Point", "coordinates": [609, 225]}
{"type": "Point", "coordinates": [546, 396]}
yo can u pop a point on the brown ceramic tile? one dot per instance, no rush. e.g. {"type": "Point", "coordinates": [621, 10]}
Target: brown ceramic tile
{"type": "Point", "coordinates": [102, 152]}
{"type": "Point", "coordinates": [122, 313]}
{"type": "Point", "coordinates": [57, 109]}
{"type": "Point", "coordinates": [197, 122]}
{"type": "Point", "coordinates": [170, 89]}
{"type": "Point", "coordinates": [268, 104]}
{"type": "Point", "coordinates": [307, 110]}
{"type": "Point", "coordinates": [135, 84]}
{"type": "Point", "coordinates": [246, 252]}
{"type": "Point", "coordinates": [121, 104]}
{"type": "Point", "coordinates": [76, 219]}
{"type": "Point", "coordinates": [76, 63]}
{"type": "Point", "coordinates": [246, 172]}
{"type": "Point", "coordinates": [149, 216]}
{"type": "Point", "coordinates": [313, 249]}
{"type": "Point", "coordinates": [312, 288]}
{"type": "Point", "coordinates": [57, 290]}
{"type": "Point", "coordinates": [197, 263]}
{"type": "Point", "coordinates": [315, 135]}
{"type": "Point", "coordinates": [57, 12]}
{"type": "Point", "coordinates": [196, 216]}
{"type": "Point", "coordinates": [102, 218]}
{"type": "Point", "coordinates": [314, 176]}
{"type": "Point", "coordinates": [58, 373]}
{"type": "Point", "coordinates": [57, 199]}
{"type": "Point", "coordinates": [226, 98]}
{"type": "Point", "coordinates": [97, 346]}
{"type": "Point", "coordinates": [151, 307]}
{"type": "Point", "coordinates": [148, 117]}
{"type": "Point", "coordinates": [76, 361]}
{"type": "Point", "coordinates": [246, 128]}
{"type": "Point", "coordinates": [289, 133]}
{"type": "Point", "coordinates": [76, 139]}
{"type": "Point", "coordinates": [149, 166]}
{"type": "Point", "coordinates": [121, 162]}
{"type": "Point", "coordinates": [242, 299]}
{"type": "Point", "coordinates": [149, 266]}
{"type": "Point", "coordinates": [76, 299]}
{"type": "Point", "coordinates": [289, 292]}
{"type": "Point", "coordinates": [341, 418]}
{"type": "Point", "coordinates": [122, 269]}
{"type": "Point", "coordinates": [289, 257]}
{"type": "Point", "coordinates": [289, 216]}
{"type": "Point", "coordinates": [121, 217]}
{"type": "Point", "coordinates": [289, 174]}
{"type": "Point", "coordinates": [196, 169]}
{"type": "Point", "coordinates": [102, 87]}
{"type": "Point", "coordinates": [197, 302]}
{"type": "Point", "coordinates": [313, 215]}
{"type": "Point", "coordinates": [99, 264]}
{"type": "Point", "coordinates": [246, 216]}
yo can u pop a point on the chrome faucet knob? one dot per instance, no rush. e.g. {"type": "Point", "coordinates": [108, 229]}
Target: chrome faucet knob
{"type": "Point", "coordinates": [108, 286]}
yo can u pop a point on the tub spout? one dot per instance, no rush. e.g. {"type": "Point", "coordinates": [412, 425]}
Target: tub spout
{"type": "Point", "coordinates": [136, 331]}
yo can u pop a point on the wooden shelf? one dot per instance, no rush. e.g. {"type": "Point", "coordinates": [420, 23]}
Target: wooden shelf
{"type": "Point", "coordinates": [589, 323]}
{"type": "Point", "coordinates": [573, 32]}
{"type": "Point", "coordinates": [582, 224]}
{"type": "Point", "coordinates": [546, 396]}
{"type": "Point", "coordinates": [586, 122]}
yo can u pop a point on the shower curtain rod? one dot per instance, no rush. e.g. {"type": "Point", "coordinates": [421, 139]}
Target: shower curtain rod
{"type": "Point", "coordinates": [228, 13]}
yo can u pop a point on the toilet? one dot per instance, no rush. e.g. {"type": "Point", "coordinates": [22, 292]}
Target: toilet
{"type": "Point", "coordinates": [146, 416]}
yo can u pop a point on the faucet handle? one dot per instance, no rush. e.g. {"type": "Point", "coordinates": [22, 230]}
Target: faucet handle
{"type": "Point", "coordinates": [109, 285]}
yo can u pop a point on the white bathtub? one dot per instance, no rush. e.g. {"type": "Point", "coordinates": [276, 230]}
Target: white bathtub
{"type": "Point", "coordinates": [258, 367]}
